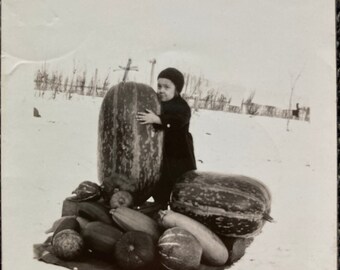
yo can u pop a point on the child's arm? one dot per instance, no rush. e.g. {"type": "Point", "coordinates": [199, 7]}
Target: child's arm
{"type": "Point", "coordinates": [174, 120]}
{"type": "Point", "coordinates": [148, 117]}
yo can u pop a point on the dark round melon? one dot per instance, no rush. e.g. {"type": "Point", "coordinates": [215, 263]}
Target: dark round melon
{"type": "Point", "coordinates": [134, 250]}
{"type": "Point", "coordinates": [129, 153]}
{"type": "Point", "coordinates": [87, 191]}
{"type": "Point", "coordinates": [229, 205]}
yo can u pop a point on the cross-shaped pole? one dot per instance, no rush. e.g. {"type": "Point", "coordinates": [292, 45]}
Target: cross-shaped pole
{"type": "Point", "coordinates": [127, 68]}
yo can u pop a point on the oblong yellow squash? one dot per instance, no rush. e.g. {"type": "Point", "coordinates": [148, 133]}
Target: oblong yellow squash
{"type": "Point", "coordinates": [132, 220]}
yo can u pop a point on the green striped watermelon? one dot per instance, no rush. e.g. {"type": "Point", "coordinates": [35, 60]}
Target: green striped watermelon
{"type": "Point", "coordinates": [129, 154]}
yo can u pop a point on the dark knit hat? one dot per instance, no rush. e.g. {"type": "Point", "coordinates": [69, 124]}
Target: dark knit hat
{"type": "Point", "coordinates": [173, 75]}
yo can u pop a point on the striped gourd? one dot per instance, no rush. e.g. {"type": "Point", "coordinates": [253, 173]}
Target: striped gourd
{"type": "Point", "coordinates": [179, 249]}
{"type": "Point", "coordinates": [129, 153]}
{"type": "Point", "coordinates": [230, 205]}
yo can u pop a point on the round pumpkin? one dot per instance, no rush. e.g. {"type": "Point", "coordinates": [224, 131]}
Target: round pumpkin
{"type": "Point", "coordinates": [179, 250]}
{"type": "Point", "coordinates": [67, 244]}
{"type": "Point", "coordinates": [121, 198]}
{"type": "Point", "coordinates": [134, 250]}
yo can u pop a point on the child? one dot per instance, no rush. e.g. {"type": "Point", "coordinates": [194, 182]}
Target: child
{"type": "Point", "coordinates": [178, 151]}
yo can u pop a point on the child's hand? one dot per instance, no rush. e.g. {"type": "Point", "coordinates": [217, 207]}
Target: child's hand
{"type": "Point", "coordinates": [148, 117]}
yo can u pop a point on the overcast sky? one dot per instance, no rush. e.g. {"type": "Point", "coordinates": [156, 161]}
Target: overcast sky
{"type": "Point", "coordinates": [253, 45]}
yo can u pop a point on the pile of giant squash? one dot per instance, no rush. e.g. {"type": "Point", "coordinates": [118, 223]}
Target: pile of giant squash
{"type": "Point", "coordinates": [211, 220]}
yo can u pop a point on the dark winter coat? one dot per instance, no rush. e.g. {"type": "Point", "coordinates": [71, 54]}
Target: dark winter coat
{"type": "Point", "coordinates": [178, 151]}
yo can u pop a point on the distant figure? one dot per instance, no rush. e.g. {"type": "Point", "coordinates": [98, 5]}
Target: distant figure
{"type": "Point", "coordinates": [36, 112]}
{"type": "Point", "coordinates": [296, 112]}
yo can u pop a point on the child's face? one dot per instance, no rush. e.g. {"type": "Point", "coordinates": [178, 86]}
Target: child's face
{"type": "Point", "coordinates": [166, 89]}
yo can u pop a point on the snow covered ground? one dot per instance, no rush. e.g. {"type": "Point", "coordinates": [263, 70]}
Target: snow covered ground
{"type": "Point", "coordinates": [45, 158]}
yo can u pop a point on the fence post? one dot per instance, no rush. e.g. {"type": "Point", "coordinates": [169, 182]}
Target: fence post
{"type": "Point", "coordinates": [95, 83]}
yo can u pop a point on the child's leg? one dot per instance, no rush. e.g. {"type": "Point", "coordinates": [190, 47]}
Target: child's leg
{"type": "Point", "coordinates": [172, 169]}
{"type": "Point", "coordinates": [162, 192]}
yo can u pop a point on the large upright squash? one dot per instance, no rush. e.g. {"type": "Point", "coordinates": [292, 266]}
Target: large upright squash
{"type": "Point", "coordinates": [230, 205]}
{"type": "Point", "coordinates": [129, 153]}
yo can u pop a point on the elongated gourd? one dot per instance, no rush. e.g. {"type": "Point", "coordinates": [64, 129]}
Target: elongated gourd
{"type": "Point", "coordinates": [132, 220]}
{"type": "Point", "coordinates": [94, 211]}
{"type": "Point", "coordinates": [101, 237]}
{"type": "Point", "coordinates": [214, 251]}
{"type": "Point", "coordinates": [129, 153]}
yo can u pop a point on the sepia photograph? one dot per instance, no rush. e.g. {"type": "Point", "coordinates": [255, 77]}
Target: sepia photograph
{"type": "Point", "coordinates": [180, 135]}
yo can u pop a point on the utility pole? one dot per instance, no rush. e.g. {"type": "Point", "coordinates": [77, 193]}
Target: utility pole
{"type": "Point", "coordinates": [153, 62]}
{"type": "Point", "coordinates": [186, 82]}
{"type": "Point", "coordinates": [292, 87]}
{"type": "Point", "coordinates": [198, 85]}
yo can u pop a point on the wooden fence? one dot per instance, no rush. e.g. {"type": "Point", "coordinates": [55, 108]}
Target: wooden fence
{"type": "Point", "coordinates": [250, 108]}
{"type": "Point", "coordinates": [77, 85]}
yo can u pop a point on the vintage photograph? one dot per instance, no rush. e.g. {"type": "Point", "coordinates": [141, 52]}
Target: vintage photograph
{"type": "Point", "coordinates": [180, 135]}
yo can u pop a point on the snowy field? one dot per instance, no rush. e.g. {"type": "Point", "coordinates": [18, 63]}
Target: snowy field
{"type": "Point", "coordinates": [46, 158]}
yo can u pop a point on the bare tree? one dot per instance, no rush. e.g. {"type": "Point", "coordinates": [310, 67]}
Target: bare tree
{"type": "Point", "coordinates": [38, 80]}
{"type": "Point", "coordinates": [45, 81]}
{"type": "Point", "coordinates": [106, 84]}
{"type": "Point", "coordinates": [250, 98]}
{"type": "Point", "coordinates": [222, 102]}
{"type": "Point", "coordinates": [65, 85]}
{"type": "Point", "coordinates": [70, 89]}
{"type": "Point", "coordinates": [58, 84]}
{"type": "Point", "coordinates": [95, 81]}
{"type": "Point", "coordinates": [246, 104]}
{"type": "Point", "coordinates": [82, 83]}
{"type": "Point", "coordinates": [53, 84]}
{"type": "Point", "coordinates": [90, 88]}
{"type": "Point", "coordinates": [187, 78]}
{"type": "Point", "coordinates": [253, 108]}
